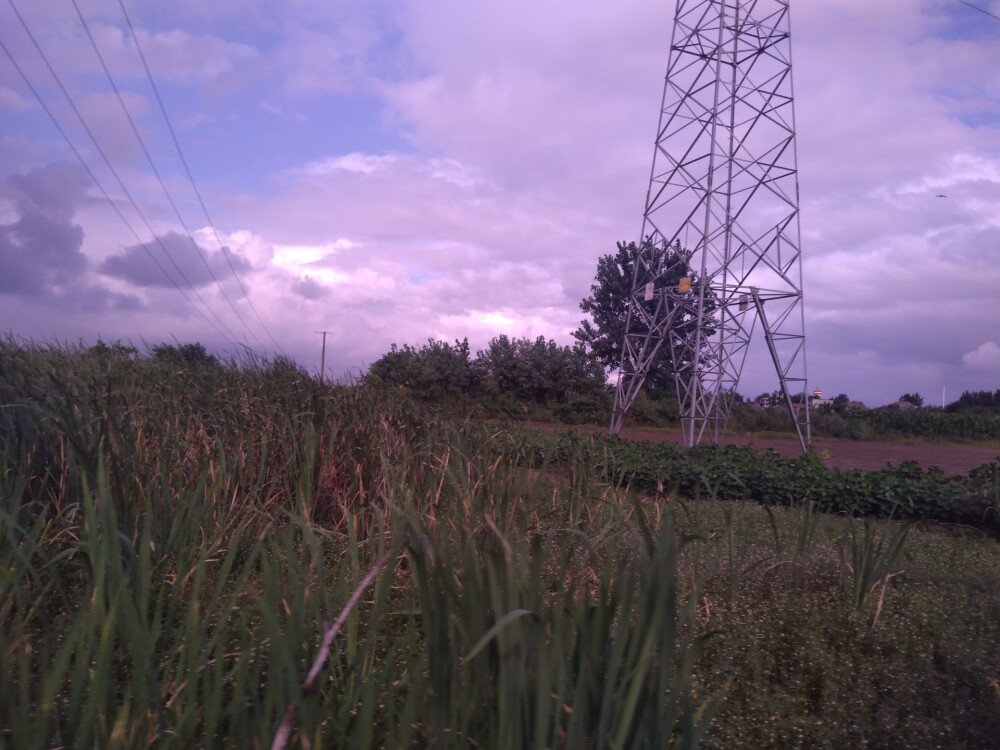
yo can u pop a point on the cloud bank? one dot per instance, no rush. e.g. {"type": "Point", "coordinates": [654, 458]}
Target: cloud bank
{"type": "Point", "coordinates": [399, 171]}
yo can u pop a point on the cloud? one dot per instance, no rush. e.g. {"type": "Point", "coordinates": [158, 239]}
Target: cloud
{"type": "Point", "coordinates": [43, 263]}
{"type": "Point", "coordinates": [174, 54]}
{"type": "Point", "coordinates": [104, 117]}
{"type": "Point", "coordinates": [179, 261]}
{"type": "Point", "coordinates": [11, 101]}
{"type": "Point", "coordinates": [986, 357]}
{"type": "Point", "coordinates": [354, 162]}
{"type": "Point", "coordinates": [42, 248]}
{"type": "Point", "coordinates": [278, 111]}
{"type": "Point", "coordinates": [565, 101]}
{"type": "Point", "coordinates": [332, 59]}
{"type": "Point", "coordinates": [180, 56]}
{"type": "Point", "coordinates": [309, 288]}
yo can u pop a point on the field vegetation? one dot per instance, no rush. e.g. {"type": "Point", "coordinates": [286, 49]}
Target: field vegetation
{"type": "Point", "coordinates": [540, 381]}
{"type": "Point", "coordinates": [196, 553]}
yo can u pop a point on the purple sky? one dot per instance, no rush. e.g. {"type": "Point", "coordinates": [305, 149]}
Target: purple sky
{"type": "Point", "coordinates": [393, 171]}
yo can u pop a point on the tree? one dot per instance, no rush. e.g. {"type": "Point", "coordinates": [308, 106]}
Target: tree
{"type": "Point", "coordinates": [509, 371]}
{"type": "Point", "coordinates": [774, 398]}
{"type": "Point", "coordinates": [191, 355]}
{"type": "Point", "coordinates": [433, 372]}
{"type": "Point", "coordinates": [841, 399]}
{"type": "Point", "coordinates": [912, 398]}
{"type": "Point", "coordinates": [117, 350]}
{"type": "Point", "coordinates": [977, 401]}
{"type": "Point", "coordinates": [607, 305]}
{"type": "Point", "coordinates": [541, 372]}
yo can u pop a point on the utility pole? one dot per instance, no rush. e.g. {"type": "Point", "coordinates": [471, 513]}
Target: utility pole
{"type": "Point", "coordinates": [322, 359]}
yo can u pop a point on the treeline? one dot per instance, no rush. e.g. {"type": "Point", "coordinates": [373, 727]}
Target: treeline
{"type": "Point", "coordinates": [511, 376]}
{"type": "Point", "coordinates": [976, 401]}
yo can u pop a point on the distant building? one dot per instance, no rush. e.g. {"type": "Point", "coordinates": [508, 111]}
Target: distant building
{"type": "Point", "coordinates": [817, 400]}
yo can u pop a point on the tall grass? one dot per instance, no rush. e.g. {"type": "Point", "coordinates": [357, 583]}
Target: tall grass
{"type": "Point", "coordinates": [175, 541]}
{"type": "Point", "coordinates": [238, 556]}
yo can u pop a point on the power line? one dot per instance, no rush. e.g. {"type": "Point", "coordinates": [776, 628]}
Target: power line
{"type": "Point", "coordinates": [104, 192]}
{"type": "Point", "coordinates": [156, 172]}
{"type": "Point", "coordinates": [981, 10]}
{"type": "Point", "coordinates": [187, 169]}
{"type": "Point", "coordinates": [231, 337]}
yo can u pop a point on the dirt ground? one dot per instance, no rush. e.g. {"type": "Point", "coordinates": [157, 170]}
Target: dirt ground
{"type": "Point", "coordinates": [849, 454]}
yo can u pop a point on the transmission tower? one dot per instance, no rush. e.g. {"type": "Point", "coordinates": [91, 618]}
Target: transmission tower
{"type": "Point", "coordinates": [720, 254]}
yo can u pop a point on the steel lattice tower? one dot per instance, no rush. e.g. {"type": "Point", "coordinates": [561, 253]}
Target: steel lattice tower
{"type": "Point", "coordinates": [720, 251]}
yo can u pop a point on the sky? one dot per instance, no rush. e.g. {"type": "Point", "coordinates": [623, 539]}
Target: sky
{"type": "Point", "coordinates": [397, 170]}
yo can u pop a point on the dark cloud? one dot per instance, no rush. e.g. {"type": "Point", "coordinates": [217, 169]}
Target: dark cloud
{"type": "Point", "coordinates": [53, 190]}
{"type": "Point", "coordinates": [309, 288]}
{"type": "Point", "coordinates": [186, 263]}
{"type": "Point", "coordinates": [42, 248]}
{"type": "Point", "coordinates": [127, 303]}
{"type": "Point", "coordinates": [83, 298]}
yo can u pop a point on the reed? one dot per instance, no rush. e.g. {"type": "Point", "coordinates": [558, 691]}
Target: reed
{"type": "Point", "coordinates": [176, 542]}
{"type": "Point", "coordinates": [233, 554]}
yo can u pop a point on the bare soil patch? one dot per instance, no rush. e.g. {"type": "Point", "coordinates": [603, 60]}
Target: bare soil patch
{"type": "Point", "coordinates": [951, 458]}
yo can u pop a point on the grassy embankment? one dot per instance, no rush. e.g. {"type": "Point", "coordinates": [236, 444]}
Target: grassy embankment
{"type": "Point", "coordinates": [175, 543]}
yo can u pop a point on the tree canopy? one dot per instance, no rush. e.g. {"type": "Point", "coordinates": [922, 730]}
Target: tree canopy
{"type": "Point", "coordinates": [535, 372]}
{"type": "Point", "coordinates": [435, 371]}
{"type": "Point", "coordinates": [540, 371]}
{"type": "Point", "coordinates": [607, 306]}
{"type": "Point", "coordinates": [191, 355]}
{"type": "Point", "coordinates": [976, 401]}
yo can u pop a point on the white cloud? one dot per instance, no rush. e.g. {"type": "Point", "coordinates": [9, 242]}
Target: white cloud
{"type": "Point", "coordinates": [298, 257]}
{"type": "Point", "coordinates": [278, 111]}
{"type": "Point", "coordinates": [173, 55]}
{"type": "Point", "coordinates": [355, 162]}
{"type": "Point", "coordinates": [986, 357]}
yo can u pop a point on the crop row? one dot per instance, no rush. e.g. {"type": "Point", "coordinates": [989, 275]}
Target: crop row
{"type": "Point", "coordinates": [740, 473]}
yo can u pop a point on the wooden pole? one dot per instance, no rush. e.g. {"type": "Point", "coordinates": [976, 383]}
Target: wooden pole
{"type": "Point", "coordinates": [322, 358]}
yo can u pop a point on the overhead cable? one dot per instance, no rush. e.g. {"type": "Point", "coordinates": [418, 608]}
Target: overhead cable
{"type": "Point", "coordinates": [981, 10]}
{"type": "Point", "coordinates": [159, 177]}
{"type": "Point", "coordinates": [187, 169]}
{"type": "Point", "coordinates": [229, 335]}
{"type": "Point", "coordinates": [104, 192]}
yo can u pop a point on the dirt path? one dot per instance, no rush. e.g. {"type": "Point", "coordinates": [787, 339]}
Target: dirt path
{"type": "Point", "coordinates": [845, 454]}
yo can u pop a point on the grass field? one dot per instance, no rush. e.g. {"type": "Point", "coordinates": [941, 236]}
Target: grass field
{"type": "Point", "coordinates": [241, 557]}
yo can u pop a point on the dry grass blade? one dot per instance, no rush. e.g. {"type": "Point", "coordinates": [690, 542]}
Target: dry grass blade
{"type": "Point", "coordinates": [285, 729]}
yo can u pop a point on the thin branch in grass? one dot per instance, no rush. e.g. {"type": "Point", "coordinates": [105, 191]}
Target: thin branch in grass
{"type": "Point", "coordinates": [881, 598]}
{"type": "Point", "coordinates": [285, 730]}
